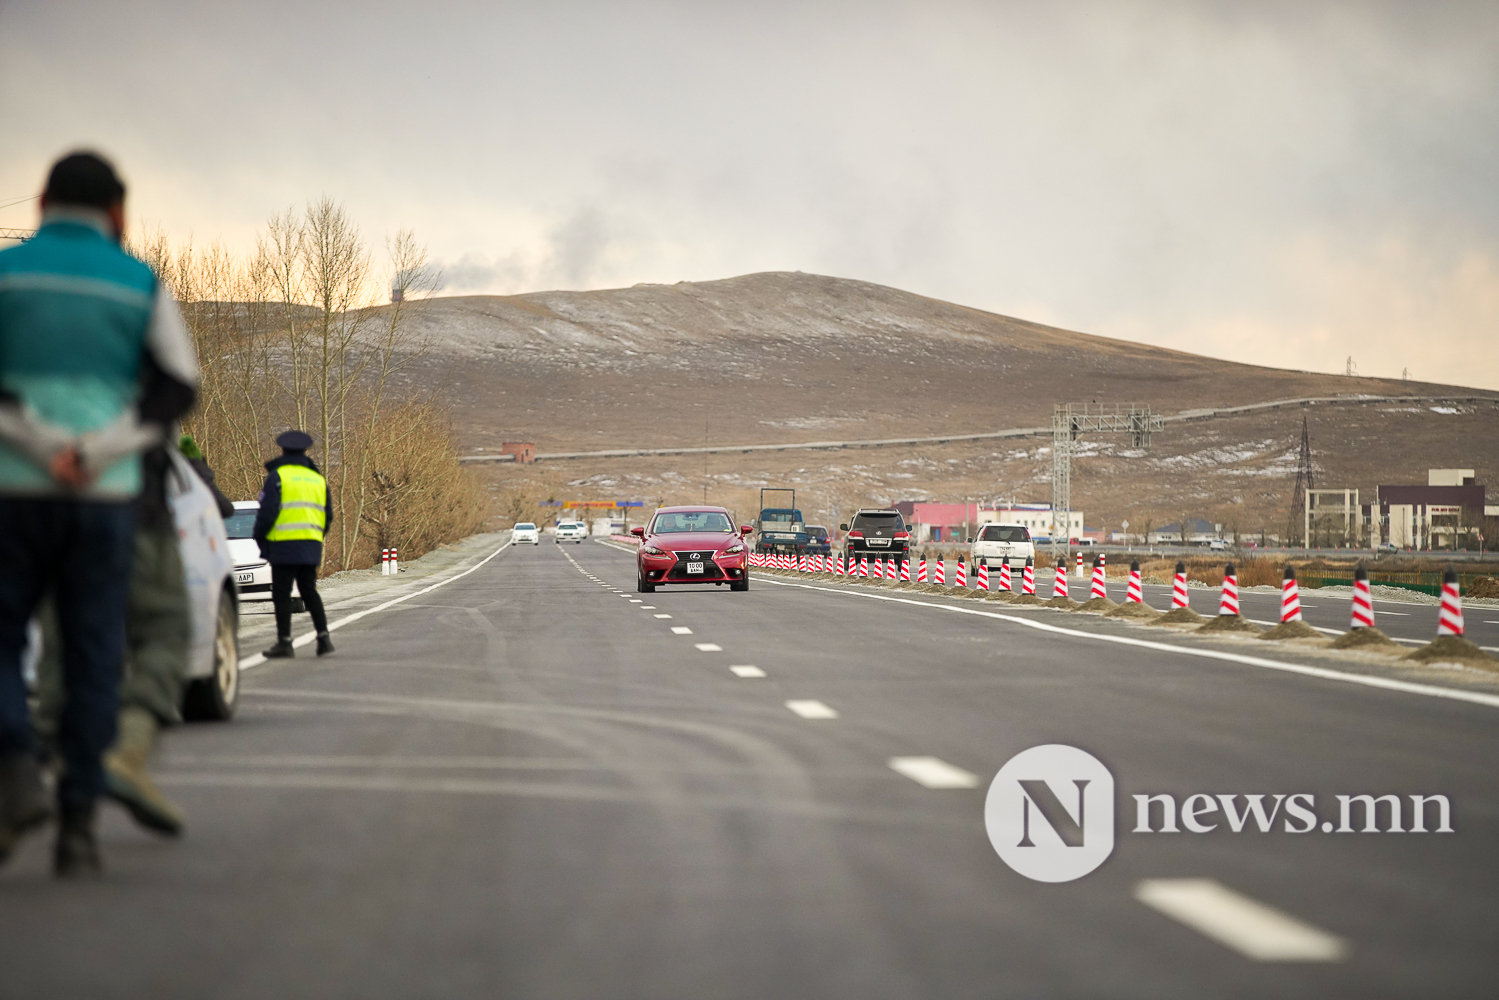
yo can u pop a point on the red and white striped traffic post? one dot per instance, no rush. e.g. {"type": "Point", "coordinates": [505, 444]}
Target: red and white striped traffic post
{"type": "Point", "coordinates": [1290, 597]}
{"type": "Point", "coordinates": [1028, 577]}
{"type": "Point", "coordinates": [1450, 617]}
{"type": "Point", "coordinates": [1179, 596]}
{"type": "Point", "coordinates": [1135, 594]}
{"type": "Point", "coordinates": [878, 569]}
{"type": "Point", "coordinates": [1004, 575]}
{"type": "Point", "coordinates": [940, 579]}
{"type": "Point", "coordinates": [395, 561]}
{"type": "Point", "coordinates": [1228, 602]}
{"type": "Point", "coordinates": [892, 568]}
{"type": "Point", "coordinates": [1098, 589]}
{"type": "Point", "coordinates": [905, 571]}
{"type": "Point", "coordinates": [962, 572]}
{"type": "Point", "coordinates": [1059, 588]}
{"type": "Point", "coordinates": [1362, 614]}
{"type": "Point", "coordinates": [838, 565]}
{"type": "Point", "coordinates": [1103, 559]}
{"type": "Point", "coordinates": [983, 576]}
{"type": "Point", "coordinates": [385, 561]}
{"type": "Point", "coordinates": [921, 570]}
{"type": "Point", "coordinates": [1079, 563]}
{"type": "Point", "coordinates": [864, 567]}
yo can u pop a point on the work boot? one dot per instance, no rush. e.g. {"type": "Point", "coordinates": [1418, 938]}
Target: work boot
{"type": "Point", "coordinates": [76, 853]}
{"type": "Point", "coordinates": [24, 804]}
{"type": "Point", "coordinates": [324, 644]}
{"type": "Point", "coordinates": [127, 781]}
{"type": "Point", "coordinates": [283, 648]}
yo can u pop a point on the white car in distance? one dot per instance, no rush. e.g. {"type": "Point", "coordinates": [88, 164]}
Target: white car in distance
{"type": "Point", "coordinates": [571, 531]}
{"type": "Point", "coordinates": [525, 531]}
{"type": "Point", "coordinates": [252, 574]}
{"type": "Point", "coordinates": [999, 544]}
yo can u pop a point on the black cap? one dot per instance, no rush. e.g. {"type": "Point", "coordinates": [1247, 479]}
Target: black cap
{"type": "Point", "coordinates": [84, 179]}
{"type": "Point", "coordinates": [1290, 572]}
{"type": "Point", "coordinates": [1229, 570]}
{"type": "Point", "coordinates": [1134, 564]}
{"type": "Point", "coordinates": [1181, 567]}
{"type": "Point", "coordinates": [295, 440]}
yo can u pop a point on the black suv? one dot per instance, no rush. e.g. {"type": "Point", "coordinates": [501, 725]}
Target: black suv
{"type": "Point", "coordinates": [876, 533]}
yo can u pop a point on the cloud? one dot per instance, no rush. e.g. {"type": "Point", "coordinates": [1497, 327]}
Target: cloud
{"type": "Point", "coordinates": [1183, 173]}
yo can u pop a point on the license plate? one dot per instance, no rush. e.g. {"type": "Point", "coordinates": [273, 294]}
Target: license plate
{"type": "Point", "coordinates": [879, 541]}
{"type": "Point", "coordinates": [244, 578]}
{"type": "Point", "coordinates": [694, 567]}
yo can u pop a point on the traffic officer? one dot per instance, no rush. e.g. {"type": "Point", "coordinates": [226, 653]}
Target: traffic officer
{"type": "Point", "coordinates": [295, 511]}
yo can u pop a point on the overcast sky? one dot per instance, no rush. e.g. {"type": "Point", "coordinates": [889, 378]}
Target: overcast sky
{"type": "Point", "coordinates": [1280, 184]}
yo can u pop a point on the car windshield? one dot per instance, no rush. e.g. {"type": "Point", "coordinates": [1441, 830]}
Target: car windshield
{"type": "Point", "coordinates": [784, 516]}
{"type": "Point", "coordinates": [877, 519]}
{"type": "Point", "coordinates": [525, 526]}
{"type": "Point", "coordinates": [240, 524]}
{"type": "Point", "coordinates": [1005, 533]}
{"type": "Point", "coordinates": [692, 520]}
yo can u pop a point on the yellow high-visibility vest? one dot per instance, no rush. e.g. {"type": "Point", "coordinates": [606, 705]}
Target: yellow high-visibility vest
{"type": "Point", "coordinates": [304, 500]}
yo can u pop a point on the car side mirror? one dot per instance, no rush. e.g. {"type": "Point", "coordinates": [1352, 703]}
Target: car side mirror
{"type": "Point", "coordinates": [745, 529]}
{"type": "Point", "coordinates": [842, 527]}
{"type": "Point", "coordinates": [638, 532]}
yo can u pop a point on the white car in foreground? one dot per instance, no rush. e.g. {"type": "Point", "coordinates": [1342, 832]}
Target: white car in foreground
{"type": "Point", "coordinates": [998, 544]}
{"type": "Point", "coordinates": [571, 531]}
{"type": "Point", "coordinates": [212, 688]}
{"type": "Point", "coordinates": [525, 531]}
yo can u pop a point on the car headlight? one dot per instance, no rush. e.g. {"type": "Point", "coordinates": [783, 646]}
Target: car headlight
{"type": "Point", "coordinates": [733, 550]}
{"type": "Point", "coordinates": [651, 550]}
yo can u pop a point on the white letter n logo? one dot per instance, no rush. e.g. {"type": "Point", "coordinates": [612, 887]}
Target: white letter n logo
{"type": "Point", "coordinates": [1052, 810]}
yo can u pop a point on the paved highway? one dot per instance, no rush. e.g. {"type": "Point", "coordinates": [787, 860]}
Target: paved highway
{"type": "Point", "coordinates": [534, 782]}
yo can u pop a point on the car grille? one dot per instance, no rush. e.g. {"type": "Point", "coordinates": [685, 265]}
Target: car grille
{"type": "Point", "coordinates": [710, 571]}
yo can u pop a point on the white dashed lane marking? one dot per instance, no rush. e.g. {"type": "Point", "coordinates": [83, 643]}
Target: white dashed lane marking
{"type": "Point", "coordinates": [1246, 925]}
{"type": "Point", "coordinates": [812, 709]}
{"type": "Point", "coordinates": [660, 616]}
{"type": "Point", "coordinates": [934, 772]}
{"type": "Point", "coordinates": [746, 670]}
{"type": "Point", "coordinates": [636, 600]}
{"type": "Point", "coordinates": [709, 647]}
{"type": "Point", "coordinates": [679, 629]}
{"type": "Point", "coordinates": [647, 607]}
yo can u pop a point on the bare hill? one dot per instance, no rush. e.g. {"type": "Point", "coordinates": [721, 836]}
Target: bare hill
{"type": "Point", "coordinates": [782, 357]}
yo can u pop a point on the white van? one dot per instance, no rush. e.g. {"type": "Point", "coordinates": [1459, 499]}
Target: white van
{"type": "Point", "coordinates": [999, 544]}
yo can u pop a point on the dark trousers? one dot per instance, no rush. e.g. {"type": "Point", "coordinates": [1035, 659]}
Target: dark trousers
{"type": "Point", "coordinates": [305, 578]}
{"type": "Point", "coordinates": [81, 550]}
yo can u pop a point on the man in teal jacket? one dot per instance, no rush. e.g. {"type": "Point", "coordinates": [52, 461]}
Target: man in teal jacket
{"type": "Point", "coordinates": [95, 365]}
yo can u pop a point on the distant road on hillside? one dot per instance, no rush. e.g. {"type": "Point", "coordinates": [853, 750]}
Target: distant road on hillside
{"type": "Point", "coordinates": [1185, 416]}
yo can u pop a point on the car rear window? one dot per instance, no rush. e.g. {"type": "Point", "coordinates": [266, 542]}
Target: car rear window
{"type": "Point", "coordinates": [525, 526]}
{"type": "Point", "coordinates": [877, 519]}
{"type": "Point", "coordinates": [1005, 533]}
{"type": "Point", "coordinates": [817, 532]}
{"type": "Point", "coordinates": [240, 524]}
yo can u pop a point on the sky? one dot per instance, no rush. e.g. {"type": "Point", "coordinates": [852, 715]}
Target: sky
{"type": "Point", "coordinates": [1282, 184]}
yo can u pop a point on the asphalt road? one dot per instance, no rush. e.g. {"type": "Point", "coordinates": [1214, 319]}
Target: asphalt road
{"type": "Point", "coordinates": [526, 784]}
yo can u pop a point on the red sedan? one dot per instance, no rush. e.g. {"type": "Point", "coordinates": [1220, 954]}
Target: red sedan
{"type": "Point", "coordinates": [691, 545]}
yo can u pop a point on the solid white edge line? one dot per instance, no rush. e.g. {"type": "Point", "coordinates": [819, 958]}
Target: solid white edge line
{"type": "Point", "coordinates": [257, 659]}
{"type": "Point", "coordinates": [1388, 684]}
{"type": "Point", "coordinates": [1246, 925]}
